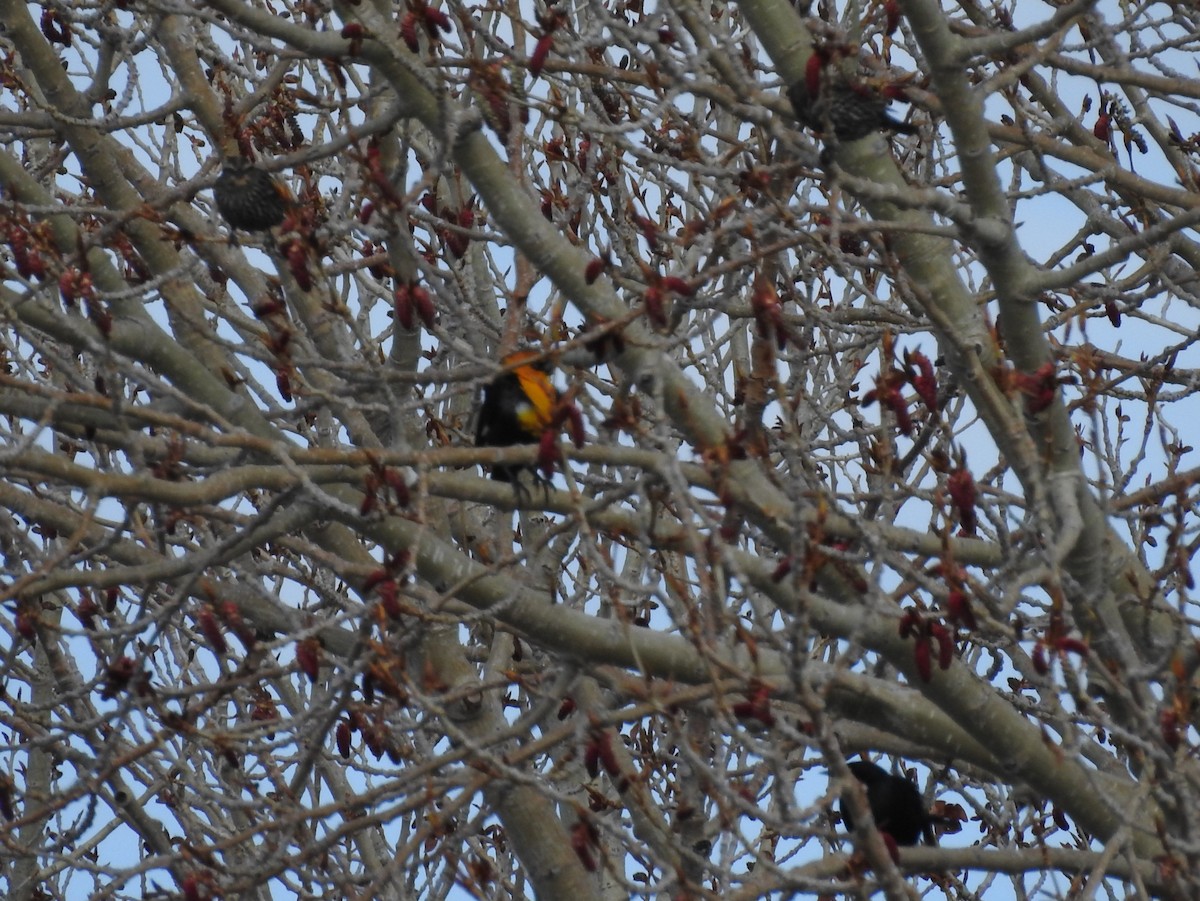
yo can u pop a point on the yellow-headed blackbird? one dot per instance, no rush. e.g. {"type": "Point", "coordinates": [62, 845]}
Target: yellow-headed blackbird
{"type": "Point", "coordinates": [518, 406]}
{"type": "Point", "coordinates": [249, 197]}
{"type": "Point", "coordinates": [896, 805]}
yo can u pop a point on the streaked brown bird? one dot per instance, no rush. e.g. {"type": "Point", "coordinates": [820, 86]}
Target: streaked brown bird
{"type": "Point", "coordinates": [250, 198]}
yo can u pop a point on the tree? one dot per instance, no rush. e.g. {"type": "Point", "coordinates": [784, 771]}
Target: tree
{"type": "Point", "coordinates": [885, 449]}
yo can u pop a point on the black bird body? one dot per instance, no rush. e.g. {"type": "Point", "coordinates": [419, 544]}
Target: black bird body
{"type": "Point", "coordinates": [250, 198]}
{"type": "Point", "coordinates": [896, 805]}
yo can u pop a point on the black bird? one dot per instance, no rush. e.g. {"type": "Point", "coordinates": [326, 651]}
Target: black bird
{"type": "Point", "coordinates": [896, 805]}
{"type": "Point", "coordinates": [250, 198]}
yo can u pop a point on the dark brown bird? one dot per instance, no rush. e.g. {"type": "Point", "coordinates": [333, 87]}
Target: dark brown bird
{"type": "Point", "coordinates": [896, 805]}
{"type": "Point", "coordinates": [250, 198]}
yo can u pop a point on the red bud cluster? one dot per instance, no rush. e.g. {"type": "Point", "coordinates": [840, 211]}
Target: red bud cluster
{"type": "Point", "coordinates": [264, 710]}
{"type": "Point", "coordinates": [659, 290]}
{"type": "Point", "coordinates": [757, 705]}
{"type": "Point", "coordinates": [541, 50]}
{"type": "Point", "coordinates": [888, 392]}
{"type": "Point", "coordinates": [297, 259]}
{"type": "Point", "coordinates": [1060, 647]}
{"type": "Point", "coordinates": [490, 81]}
{"type": "Point", "coordinates": [1040, 387]}
{"type": "Point", "coordinates": [812, 72]}
{"type": "Point", "coordinates": [381, 185]}
{"type": "Point", "coordinates": [925, 633]}
{"type": "Point", "coordinates": [26, 257]}
{"type": "Point", "coordinates": [55, 30]}
{"type": "Point", "coordinates": [918, 373]}
{"type": "Point", "coordinates": [922, 378]}
{"type": "Point", "coordinates": [960, 485]}
{"type": "Point", "coordinates": [454, 239]}
{"type": "Point", "coordinates": [410, 299]}
{"type": "Point", "coordinates": [408, 31]}
{"type": "Point", "coordinates": [1168, 726]}
{"type": "Point", "coordinates": [230, 615]}
{"type": "Point", "coordinates": [547, 456]}
{"type": "Point", "coordinates": [599, 751]}
{"type": "Point", "coordinates": [266, 307]}
{"type": "Point", "coordinates": [380, 476]}
{"type": "Point", "coordinates": [74, 285]}
{"type": "Point", "coordinates": [891, 10]}
{"type": "Point", "coordinates": [197, 887]}
{"type": "Point", "coordinates": [958, 609]}
{"type": "Point", "coordinates": [566, 413]}
{"type": "Point", "coordinates": [27, 621]}
{"type": "Point", "coordinates": [86, 610]}
{"type": "Point", "coordinates": [213, 634]}
{"type": "Point", "coordinates": [585, 839]}
{"type": "Point", "coordinates": [354, 32]}
{"type": "Point", "coordinates": [768, 312]}
{"type": "Point", "coordinates": [648, 228]}
{"type": "Point", "coordinates": [423, 15]}
{"type": "Point", "coordinates": [595, 267]}
{"type": "Point", "coordinates": [783, 569]}
{"type": "Point", "coordinates": [120, 675]}
{"type": "Point", "coordinates": [308, 657]}
{"type": "Point", "coordinates": [283, 382]}
{"type": "Point", "coordinates": [386, 581]}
